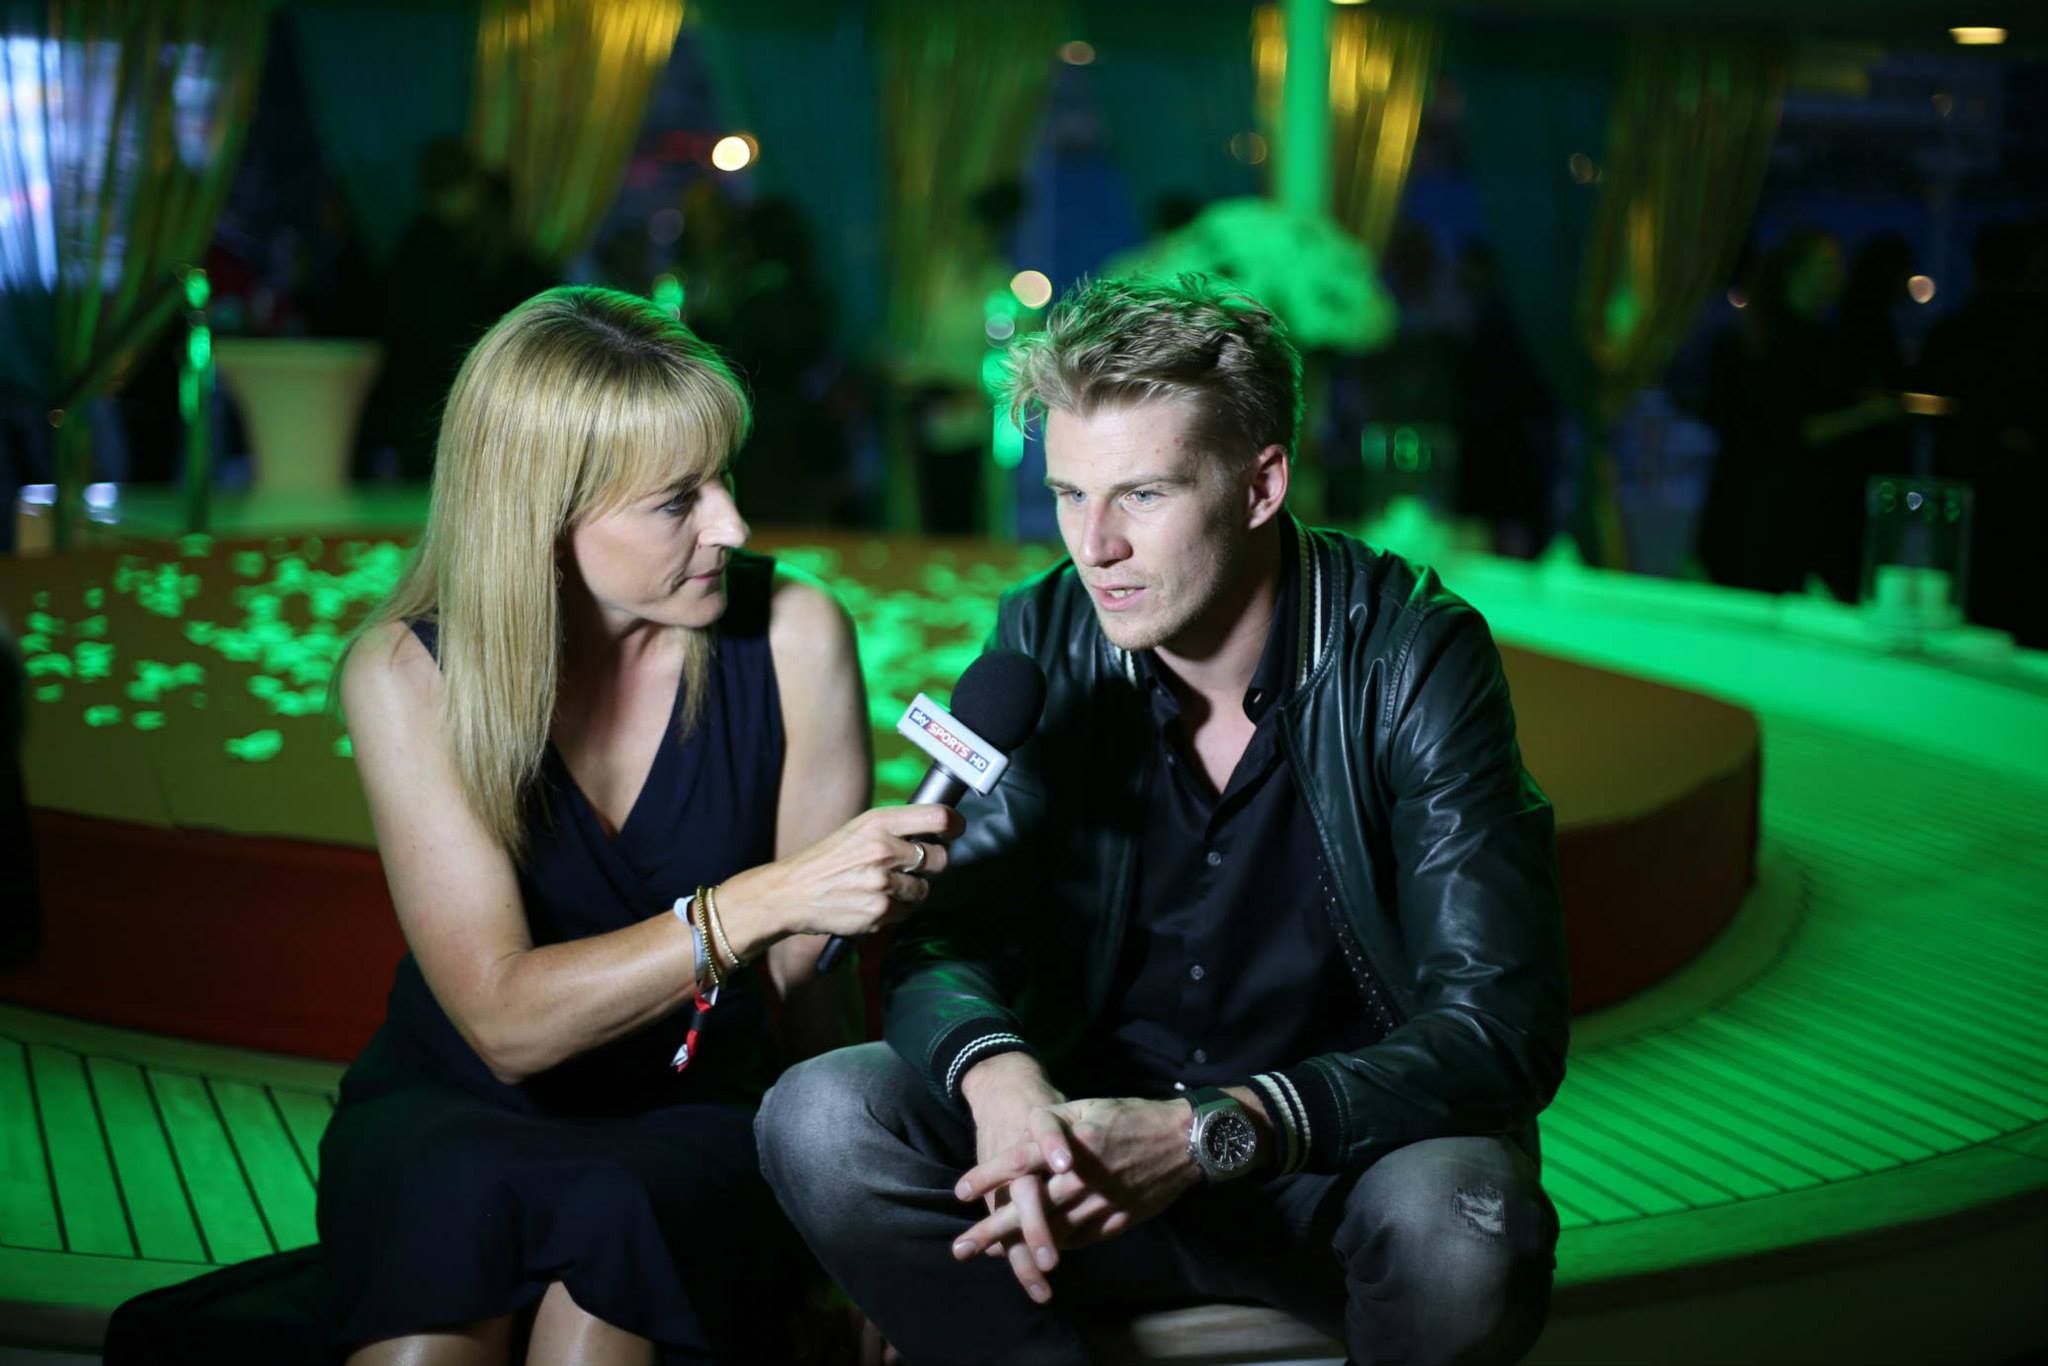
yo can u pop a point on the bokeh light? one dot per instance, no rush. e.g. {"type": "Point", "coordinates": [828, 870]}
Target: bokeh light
{"type": "Point", "coordinates": [1248, 147]}
{"type": "Point", "coordinates": [1921, 287]}
{"type": "Point", "coordinates": [734, 152]}
{"type": "Point", "coordinates": [1977, 36]}
{"type": "Point", "coordinates": [1077, 53]}
{"type": "Point", "coordinates": [1032, 288]}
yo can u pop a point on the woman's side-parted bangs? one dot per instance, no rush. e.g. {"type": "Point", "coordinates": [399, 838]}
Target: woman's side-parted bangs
{"type": "Point", "coordinates": [580, 400]}
{"type": "Point", "coordinates": [575, 403]}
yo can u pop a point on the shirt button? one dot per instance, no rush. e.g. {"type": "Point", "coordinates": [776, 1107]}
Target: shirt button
{"type": "Point", "coordinates": [1200, 1055]}
{"type": "Point", "coordinates": [1180, 1086]}
{"type": "Point", "coordinates": [1197, 972]}
{"type": "Point", "coordinates": [1215, 858]}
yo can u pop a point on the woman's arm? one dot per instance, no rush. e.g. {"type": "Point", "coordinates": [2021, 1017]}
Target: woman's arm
{"type": "Point", "coordinates": [525, 1009]}
{"type": "Point", "coordinates": [827, 776]}
{"type": "Point", "coordinates": [522, 1009]}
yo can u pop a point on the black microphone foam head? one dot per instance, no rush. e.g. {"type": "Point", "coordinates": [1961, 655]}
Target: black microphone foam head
{"type": "Point", "coordinates": [1000, 697]}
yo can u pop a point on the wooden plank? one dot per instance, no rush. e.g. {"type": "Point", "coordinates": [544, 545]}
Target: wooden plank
{"type": "Point", "coordinates": [1565, 1181]}
{"type": "Point", "coordinates": [1804, 1110]}
{"type": "Point", "coordinates": [1568, 1214]}
{"type": "Point", "coordinates": [1719, 1179]}
{"type": "Point", "coordinates": [28, 1206]}
{"type": "Point", "coordinates": [143, 1162]}
{"type": "Point", "coordinates": [1889, 1112]}
{"type": "Point", "coordinates": [88, 1198]}
{"type": "Point", "coordinates": [1884, 1208]}
{"type": "Point", "coordinates": [1998, 1043]}
{"type": "Point", "coordinates": [1592, 1161]}
{"type": "Point", "coordinates": [156, 1050]}
{"type": "Point", "coordinates": [1737, 1135]}
{"type": "Point", "coordinates": [1989, 1047]}
{"type": "Point", "coordinates": [220, 1193]}
{"type": "Point", "coordinates": [283, 1189]}
{"type": "Point", "coordinates": [1947, 1076]}
{"type": "Point", "coordinates": [305, 1117]}
{"type": "Point", "coordinates": [1880, 951]}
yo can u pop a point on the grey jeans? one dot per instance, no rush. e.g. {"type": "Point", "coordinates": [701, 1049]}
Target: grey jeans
{"type": "Point", "coordinates": [1441, 1251]}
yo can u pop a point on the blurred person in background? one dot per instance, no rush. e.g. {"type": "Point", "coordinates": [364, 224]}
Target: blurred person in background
{"type": "Point", "coordinates": [939, 378]}
{"type": "Point", "coordinates": [1873, 363]}
{"type": "Point", "coordinates": [1779, 397]}
{"type": "Point", "coordinates": [1990, 358]}
{"type": "Point", "coordinates": [779, 337]}
{"type": "Point", "coordinates": [456, 270]}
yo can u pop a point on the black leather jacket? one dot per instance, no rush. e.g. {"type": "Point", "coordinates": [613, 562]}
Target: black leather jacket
{"type": "Point", "coordinates": [1441, 848]}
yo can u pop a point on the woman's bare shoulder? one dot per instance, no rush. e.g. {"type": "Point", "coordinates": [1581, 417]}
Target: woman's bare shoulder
{"type": "Point", "coordinates": [389, 676]}
{"type": "Point", "coordinates": [811, 635]}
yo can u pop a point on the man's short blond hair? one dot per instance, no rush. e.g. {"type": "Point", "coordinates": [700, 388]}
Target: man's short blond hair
{"type": "Point", "coordinates": [1115, 342]}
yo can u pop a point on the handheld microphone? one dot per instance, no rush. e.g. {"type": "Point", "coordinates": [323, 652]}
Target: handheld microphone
{"type": "Point", "coordinates": [995, 708]}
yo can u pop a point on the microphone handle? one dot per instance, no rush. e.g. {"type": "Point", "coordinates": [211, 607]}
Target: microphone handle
{"type": "Point", "coordinates": [939, 788]}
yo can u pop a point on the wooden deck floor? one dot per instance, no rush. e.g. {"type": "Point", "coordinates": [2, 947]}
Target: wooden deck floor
{"type": "Point", "coordinates": [1864, 1049]}
{"type": "Point", "coordinates": [1890, 1025]}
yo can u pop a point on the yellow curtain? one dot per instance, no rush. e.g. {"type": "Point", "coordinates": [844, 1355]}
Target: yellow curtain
{"type": "Point", "coordinates": [961, 90]}
{"type": "Point", "coordinates": [123, 126]}
{"type": "Point", "coordinates": [962, 86]}
{"type": "Point", "coordinates": [561, 87]}
{"type": "Point", "coordinates": [1688, 142]}
{"type": "Point", "coordinates": [1381, 66]}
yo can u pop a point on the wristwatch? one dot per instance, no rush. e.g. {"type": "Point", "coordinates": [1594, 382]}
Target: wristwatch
{"type": "Point", "coordinates": [1221, 1141]}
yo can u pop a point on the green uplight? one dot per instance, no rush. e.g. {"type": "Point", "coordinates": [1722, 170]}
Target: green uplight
{"type": "Point", "coordinates": [50, 692]}
{"type": "Point", "coordinates": [993, 367]}
{"type": "Point", "coordinates": [1408, 449]}
{"type": "Point", "coordinates": [1007, 442]}
{"type": "Point", "coordinates": [103, 715]}
{"type": "Point", "coordinates": [668, 294]}
{"type": "Point", "coordinates": [148, 720]}
{"type": "Point", "coordinates": [197, 288]}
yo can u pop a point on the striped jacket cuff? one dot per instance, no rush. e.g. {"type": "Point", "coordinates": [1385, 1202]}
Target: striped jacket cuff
{"type": "Point", "coordinates": [966, 1044]}
{"type": "Point", "coordinates": [1304, 1109]}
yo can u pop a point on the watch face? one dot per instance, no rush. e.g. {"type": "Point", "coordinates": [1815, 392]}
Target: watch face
{"type": "Point", "coordinates": [1227, 1141]}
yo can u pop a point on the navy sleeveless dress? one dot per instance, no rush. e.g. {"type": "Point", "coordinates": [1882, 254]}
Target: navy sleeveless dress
{"type": "Point", "coordinates": [448, 1197]}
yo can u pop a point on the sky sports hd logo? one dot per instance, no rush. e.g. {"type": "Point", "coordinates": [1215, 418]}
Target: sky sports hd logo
{"type": "Point", "coordinates": [931, 725]}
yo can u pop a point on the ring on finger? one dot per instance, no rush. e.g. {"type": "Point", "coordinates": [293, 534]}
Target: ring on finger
{"type": "Point", "coordinates": [922, 851]}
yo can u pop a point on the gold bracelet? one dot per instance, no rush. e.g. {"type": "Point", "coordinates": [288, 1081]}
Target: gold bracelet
{"type": "Point", "coordinates": [700, 920]}
{"type": "Point", "coordinates": [718, 926]}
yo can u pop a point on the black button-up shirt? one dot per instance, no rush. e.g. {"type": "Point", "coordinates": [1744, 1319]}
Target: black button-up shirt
{"type": "Point", "coordinates": [1230, 964]}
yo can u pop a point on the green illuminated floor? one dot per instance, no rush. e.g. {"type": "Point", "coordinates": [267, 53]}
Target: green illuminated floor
{"type": "Point", "coordinates": [1894, 1034]}
{"type": "Point", "coordinates": [1863, 1052]}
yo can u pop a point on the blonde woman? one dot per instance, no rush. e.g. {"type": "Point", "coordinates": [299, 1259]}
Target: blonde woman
{"type": "Point", "coordinates": [582, 705]}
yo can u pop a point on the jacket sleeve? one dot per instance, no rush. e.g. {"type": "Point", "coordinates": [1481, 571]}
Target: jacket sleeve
{"type": "Point", "coordinates": [951, 978]}
{"type": "Point", "coordinates": [1474, 849]}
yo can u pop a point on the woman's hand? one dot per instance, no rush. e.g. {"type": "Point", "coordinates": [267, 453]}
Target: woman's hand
{"type": "Point", "coordinates": [852, 882]}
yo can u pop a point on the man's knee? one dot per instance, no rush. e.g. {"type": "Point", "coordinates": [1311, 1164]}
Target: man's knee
{"type": "Point", "coordinates": [1462, 1223]}
{"type": "Point", "coordinates": [814, 1108]}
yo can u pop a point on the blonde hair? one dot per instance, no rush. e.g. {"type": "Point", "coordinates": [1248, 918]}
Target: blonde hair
{"type": "Point", "coordinates": [577, 402]}
{"type": "Point", "coordinates": [1112, 342]}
